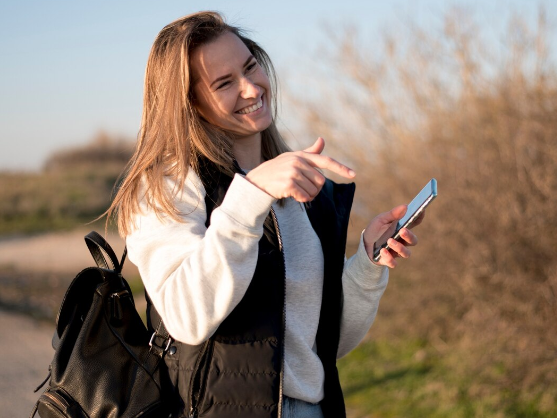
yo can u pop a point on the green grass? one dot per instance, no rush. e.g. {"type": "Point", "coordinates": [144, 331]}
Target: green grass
{"type": "Point", "coordinates": [138, 291]}
{"type": "Point", "coordinates": [409, 379]}
{"type": "Point", "coordinates": [136, 285]}
{"type": "Point", "coordinates": [40, 202]}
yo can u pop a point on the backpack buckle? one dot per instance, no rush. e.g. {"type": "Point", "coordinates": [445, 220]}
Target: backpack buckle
{"type": "Point", "coordinates": [159, 350]}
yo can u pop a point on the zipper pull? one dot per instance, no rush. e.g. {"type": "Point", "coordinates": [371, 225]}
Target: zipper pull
{"type": "Point", "coordinates": [117, 312]}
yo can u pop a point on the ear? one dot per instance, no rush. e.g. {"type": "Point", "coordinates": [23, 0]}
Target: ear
{"type": "Point", "coordinates": [195, 109]}
{"type": "Point", "coordinates": [192, 98]}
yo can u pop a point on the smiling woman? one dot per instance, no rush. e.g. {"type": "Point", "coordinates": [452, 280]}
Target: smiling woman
{"type": "Point", "coordinates": [252, 284]}
{"type": "Point", "coordinates": [232, 90]}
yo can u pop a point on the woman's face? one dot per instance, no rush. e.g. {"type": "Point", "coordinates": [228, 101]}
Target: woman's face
{"type": "Point", "coordinates": [231, 90]}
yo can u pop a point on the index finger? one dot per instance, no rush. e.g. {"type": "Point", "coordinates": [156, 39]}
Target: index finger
{"type": "Point", "coordinates": [328, 163]}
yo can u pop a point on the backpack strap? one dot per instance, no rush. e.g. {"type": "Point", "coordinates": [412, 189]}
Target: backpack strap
{"type": "Point", "coordinates": [161, 338]}
{"type": "Point", "coordinates": [97, 245]}
{"type": "Point", "coordinates": [34, 411]}
{"type": "Point", "coordinates": [160, 341]}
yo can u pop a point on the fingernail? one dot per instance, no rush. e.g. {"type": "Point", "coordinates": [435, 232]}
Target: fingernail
{"type": "Point", "coordinates": [352, 173]}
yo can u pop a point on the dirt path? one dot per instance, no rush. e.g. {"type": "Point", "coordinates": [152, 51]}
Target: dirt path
{"type": "Point", "coordinates": [35, 271]}
{"type": "Point", "coordinates": [55, 253]}
{"type": "Point", "coordinates": [25, 353]}
{"type": "Point", "coordinates": [34, 275]}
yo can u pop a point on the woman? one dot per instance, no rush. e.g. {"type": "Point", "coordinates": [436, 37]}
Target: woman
{"type": "Point", "coordinates": [247, 271]}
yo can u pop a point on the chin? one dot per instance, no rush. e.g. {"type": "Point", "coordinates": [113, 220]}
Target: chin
{"type": "Point", "coordinates": [259, 127]}
{"type": "Point", "coordinates": [266, 125]}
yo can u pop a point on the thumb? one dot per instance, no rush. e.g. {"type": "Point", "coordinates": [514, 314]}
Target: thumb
{"type": "Point", "coordinates": [394, 214]}
{"type": "Point", "coordinates": [383, 226]}
{"type": "Point", "coordinates": [317, 147]}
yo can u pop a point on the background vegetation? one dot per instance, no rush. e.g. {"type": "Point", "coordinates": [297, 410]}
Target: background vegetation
{"type": "Point", "coordinates": [467, 326]}
{"type": "Point", "coordinates": [73, 188]}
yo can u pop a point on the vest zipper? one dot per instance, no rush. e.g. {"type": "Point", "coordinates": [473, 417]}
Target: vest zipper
{"type": "Point", "coordinates": [199, 361]}
{"type": "Point", "coordinates": [279, 237]}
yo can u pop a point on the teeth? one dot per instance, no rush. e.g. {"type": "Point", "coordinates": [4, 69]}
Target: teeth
{"type": "Point", "coordinates": [250, 109]}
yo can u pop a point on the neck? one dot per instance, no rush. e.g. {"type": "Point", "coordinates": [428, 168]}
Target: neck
{"type": "Point", "coordinates": [247, 151]}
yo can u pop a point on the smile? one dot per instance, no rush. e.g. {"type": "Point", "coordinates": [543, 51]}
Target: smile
{"type": "Point", "coordinates": [252, 108]}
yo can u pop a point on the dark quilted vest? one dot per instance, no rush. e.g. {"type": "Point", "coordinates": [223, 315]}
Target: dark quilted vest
{"type": "Point", "coordinates": [238, 371]}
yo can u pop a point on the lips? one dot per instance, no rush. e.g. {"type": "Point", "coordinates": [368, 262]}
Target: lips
{"type": "Point", "coordinates": [250, 109]}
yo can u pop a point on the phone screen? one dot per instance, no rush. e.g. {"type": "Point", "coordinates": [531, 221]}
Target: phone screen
{"type": "Point", "coordinates": [428, 192]}
{"type": "Point", "coordinates": [415, 207]}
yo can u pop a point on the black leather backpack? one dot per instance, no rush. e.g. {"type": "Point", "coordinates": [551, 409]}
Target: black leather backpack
{"type": "Point", "coordinates": [106, 364]}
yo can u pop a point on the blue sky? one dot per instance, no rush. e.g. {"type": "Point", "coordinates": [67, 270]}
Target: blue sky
{"type": "Point", "coordinates": [72, 68]}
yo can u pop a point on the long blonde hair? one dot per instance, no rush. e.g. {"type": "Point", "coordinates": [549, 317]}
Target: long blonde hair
{"type": "Point", "coordinates": [173, 136]}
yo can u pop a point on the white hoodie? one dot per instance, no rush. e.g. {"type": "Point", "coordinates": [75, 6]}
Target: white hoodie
{"type": "Point", "coordinates": [196, 276]}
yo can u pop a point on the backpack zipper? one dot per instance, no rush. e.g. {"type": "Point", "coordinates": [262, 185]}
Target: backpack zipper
{"type": "Point", "coordinates": [279, 237]}
{"type": "Point", "coordinates": [58, 400]}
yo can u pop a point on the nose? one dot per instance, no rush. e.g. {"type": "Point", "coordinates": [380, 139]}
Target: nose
{"type": "Point", "coordinates": [249, 90]}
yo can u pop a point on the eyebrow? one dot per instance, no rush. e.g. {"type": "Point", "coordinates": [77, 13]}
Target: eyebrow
{"type": "Point", "coordinates": [228, 75]}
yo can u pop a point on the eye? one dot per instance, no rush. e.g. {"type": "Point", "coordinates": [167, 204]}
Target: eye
{"type": "Point", "coordinates": [251, 66]}
{"type": "Point", "coordinates": [226, 83]}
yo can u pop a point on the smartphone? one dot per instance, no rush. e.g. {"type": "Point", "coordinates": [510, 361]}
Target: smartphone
{"type": "Point", "coordinates": [415, 208]}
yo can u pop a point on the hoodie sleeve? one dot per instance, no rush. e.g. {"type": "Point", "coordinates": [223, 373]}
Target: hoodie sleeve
{"type": "Point", "coordinates": [196, 275]}
{"type": "Point", "coordinates": [363, 285]}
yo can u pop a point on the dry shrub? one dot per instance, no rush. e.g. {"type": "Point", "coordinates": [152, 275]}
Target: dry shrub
{"type": "Point", "coordinates": [482, 284]}
{"type": "Point", "coordinates": [102, 153]}
{"type": "Point", "coordinates": [74, 188]}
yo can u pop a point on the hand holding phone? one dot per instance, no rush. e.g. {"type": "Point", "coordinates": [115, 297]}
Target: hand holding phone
{"type": "Point", "coordinates": [415, 208]}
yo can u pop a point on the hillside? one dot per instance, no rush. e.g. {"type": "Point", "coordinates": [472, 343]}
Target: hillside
{"type": "Point", "coordinates": [72, 189]}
